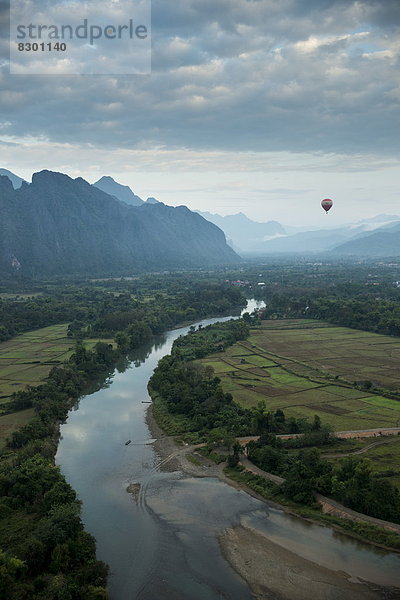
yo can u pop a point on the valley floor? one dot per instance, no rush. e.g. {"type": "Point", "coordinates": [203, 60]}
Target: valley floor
{"type": "Point", "coordinates": [306, 367]}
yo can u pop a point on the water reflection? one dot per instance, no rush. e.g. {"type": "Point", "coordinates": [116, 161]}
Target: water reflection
{"type": "Point", "coordinates": [139, 356]}
{"type": "Point", "coordinates": [163, 544]}
{"type": "Point", "coordinates": [327, 547]}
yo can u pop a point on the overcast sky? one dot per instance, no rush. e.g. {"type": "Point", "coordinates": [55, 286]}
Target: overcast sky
{"type": "Point", "coordinates": [259, 106]}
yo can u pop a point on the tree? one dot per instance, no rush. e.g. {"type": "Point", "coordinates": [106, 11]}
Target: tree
{"type": "Point", "coordinates": [220, 437]}
{"type": "Point", "coordinates": [11, 570]}
{"type": "Point", "coordinates": [316, 425]}
{"type": "Point", "coordinates": [263, 418]}
{"type": "Point", "coordinates": [298, 484]}
{"type": "Point", "coordinates": [122, 339]}
{"type": "Point", "coordinates": [279, 416]}
{"type": "Point", "coordinates": [233, 459]}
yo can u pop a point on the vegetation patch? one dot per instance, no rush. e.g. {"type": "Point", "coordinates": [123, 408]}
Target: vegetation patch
{"type": "Point", "coordinates": [350, 353]}
{"type": "Point", "coordinates": [383, 455]}
{"type": "Point", "coordinates": [192, 459]}
{"type": "Point", "coordinates": [290, 388]}
{"type": "Point", "coordinates": [28, 358]}
{"type": "Point", "coordinates": [11, 422]}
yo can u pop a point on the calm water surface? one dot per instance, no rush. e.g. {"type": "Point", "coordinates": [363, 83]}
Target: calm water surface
{"type": "Point", "coordinates": [164, 545]}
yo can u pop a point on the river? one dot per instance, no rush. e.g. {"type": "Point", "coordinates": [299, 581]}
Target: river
{"type": "Point", "coordinates": [164, 545]}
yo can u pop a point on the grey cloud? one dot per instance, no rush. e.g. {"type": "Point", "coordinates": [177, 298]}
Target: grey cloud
{"type": "Point", "coordinates": [229, 75]}
{"type": "Point", "coordinates": [385, 13]}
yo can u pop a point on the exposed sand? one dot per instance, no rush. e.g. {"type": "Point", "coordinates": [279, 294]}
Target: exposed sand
{"type": "Point", "coordinates": [271, 571]}
{"type": "Point", "coordinates": [174, 457]}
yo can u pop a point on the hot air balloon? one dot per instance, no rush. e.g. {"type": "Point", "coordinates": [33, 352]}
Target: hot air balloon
{"type": "Point", "coordinates": [327, 204]}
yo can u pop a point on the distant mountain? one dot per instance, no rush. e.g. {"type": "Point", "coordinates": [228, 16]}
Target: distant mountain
{"type": "Point", "coordinates": [15, 180]}
{"type": "Point", "coordinates": [380, 220]}
{"type": "Point", "coordinates": [243, 233]}
{"type": "Point", "coordinates": [320, 240]}
{"type": "Point", "coordinates": [152, 200]}
{"type": "Point", "coordinates": [327, 240]}
{"type": "Point", "coordinates": [364, 225]}
{"type": "Point", "coordinates": [57, 225]}
{"type": "Point", "coordinates": [121, 192]}
{"type": "Point", "coordinates": [384, 241]}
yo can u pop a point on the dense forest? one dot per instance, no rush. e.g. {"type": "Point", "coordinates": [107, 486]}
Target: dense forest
{"type": "Point", "coordinates": [93, 308]}
{"type": "Point", "coordinates": [364, 295]}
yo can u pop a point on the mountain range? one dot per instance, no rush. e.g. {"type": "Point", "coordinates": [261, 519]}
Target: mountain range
{"type": "Point", "coordinates": [121, 192]}
{"type": "Point", "coordinates": [374, 237]}
{"type": "Point", "coordinates": [243, 234]}
{"type": "Point", "coordinates": [150, 236]}
{"type": "Point", "coordinates": [15, 180]}
{"type": "Point", "coordinates": [383, 241]}
{"type": "Point", "coordinates": [369, 238]}
{"type": "Point", "coordinates": [59, 225]}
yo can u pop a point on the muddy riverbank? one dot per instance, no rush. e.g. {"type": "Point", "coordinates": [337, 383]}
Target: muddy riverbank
{"type": "Point", "coordinates": [271, 571]}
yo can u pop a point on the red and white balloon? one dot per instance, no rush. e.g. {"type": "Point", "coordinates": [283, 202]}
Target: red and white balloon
{"type": "Point", "coordinates": [327, 204]}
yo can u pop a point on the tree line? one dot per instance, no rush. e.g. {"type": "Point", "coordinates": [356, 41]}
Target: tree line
{"type": "Point", "coordinates": [46, 554]}
{"type": "Point", "coordinates": [369, 314]}
{"type": "Point", "coordinates": [92, 310]}
{"type": "Point", "coordinates": [350, 480]}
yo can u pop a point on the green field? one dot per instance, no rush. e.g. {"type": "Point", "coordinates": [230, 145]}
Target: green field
{"type": "Point", "coordinates": [302, 367]}
{"type": "Point", "coordinates": [28, 358]}
{"type": "Point", "coordinates": [384, 456]}
{"type": "Point", "coordinates": [12, 422]}
{"type": "Point", "coordinates": [350, 354]}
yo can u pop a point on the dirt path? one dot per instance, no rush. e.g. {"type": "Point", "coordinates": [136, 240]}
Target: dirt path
{"type": "Point", "coordinates": [359, 451]}
{"type": "Point", "coordinates": [329, 506]}
{"type": "Point", "coordinates": [350, 434]}
{"type": "Point", "coordinates": [249, 466]}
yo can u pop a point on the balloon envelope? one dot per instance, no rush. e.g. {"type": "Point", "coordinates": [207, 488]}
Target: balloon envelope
{"type": "Point", "coordinates": [327, 204]}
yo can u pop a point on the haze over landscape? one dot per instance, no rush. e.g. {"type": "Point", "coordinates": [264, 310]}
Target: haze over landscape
{"type": "Point", "coordinates": [57, 224]}
{"type": "Point", "coordinates": [199, 300]}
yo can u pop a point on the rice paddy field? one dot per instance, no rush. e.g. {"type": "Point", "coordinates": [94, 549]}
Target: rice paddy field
{"type": "Point", "coordinates": [308, 368]}
{"type": "Point", "coordinates": [350, 354]}
{"type": "Point", "coordinates": [27, 359]}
